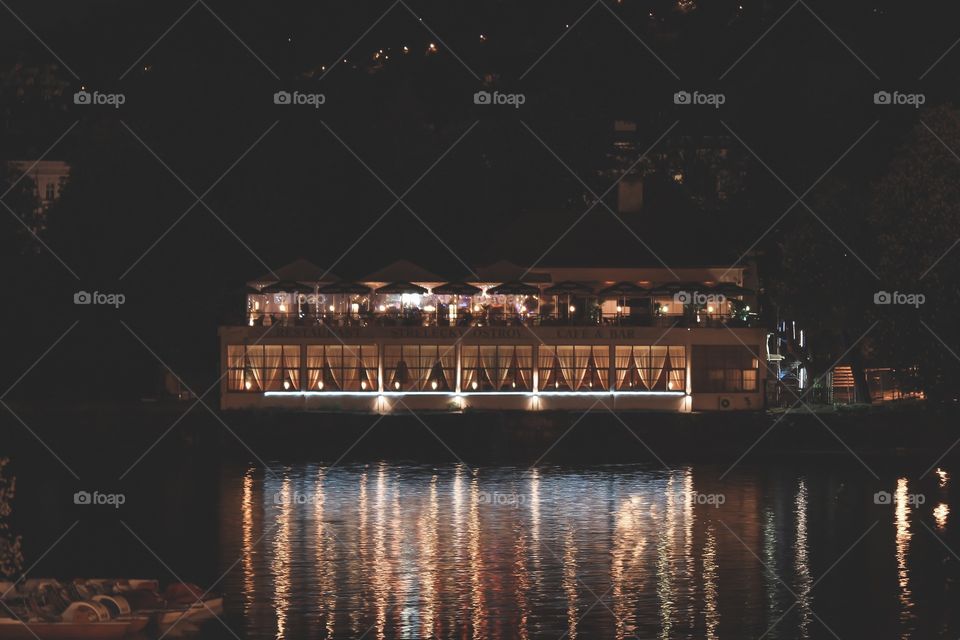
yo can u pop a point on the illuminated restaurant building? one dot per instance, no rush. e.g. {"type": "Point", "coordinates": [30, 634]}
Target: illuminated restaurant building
{"type": "Point", "coordinates": [503, 338]}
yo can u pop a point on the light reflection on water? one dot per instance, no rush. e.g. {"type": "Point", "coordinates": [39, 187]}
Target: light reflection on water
{"type": "Point", "coordinates": [405, 551]}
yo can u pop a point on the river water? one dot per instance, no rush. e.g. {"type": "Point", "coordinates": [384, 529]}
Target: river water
{"type": "Point", "coordinates": [407, 551]}
{"type": "Point", "coordinates": [788, 548]}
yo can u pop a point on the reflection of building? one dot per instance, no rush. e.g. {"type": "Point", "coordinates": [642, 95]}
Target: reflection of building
{"type": "Point", "coordinates": [506, 338]}
{"type": "Point", "coordinates": [49, 178]}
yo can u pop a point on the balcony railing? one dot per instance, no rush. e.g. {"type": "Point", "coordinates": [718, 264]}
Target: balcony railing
{"type": "Point", "coordinates": [424, 319]}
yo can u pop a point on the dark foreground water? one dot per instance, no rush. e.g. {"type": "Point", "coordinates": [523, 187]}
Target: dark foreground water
{"type": "Point", "coordinates": [782, 549]}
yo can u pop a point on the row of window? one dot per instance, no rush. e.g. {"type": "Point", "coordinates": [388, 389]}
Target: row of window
{"type": "Point", "coordinates": [261, 368]}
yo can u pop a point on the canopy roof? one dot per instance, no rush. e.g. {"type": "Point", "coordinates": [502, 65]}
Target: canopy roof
{"type": "Point", "coordinates": [456, 289]}
{"type": "Point", "coordinates": [346, 288]}
{"type": "Point", "coordinates": [569, 287]}
{"type": "Point", "coordinates": [402, 271]}
{"type": "Point", "coordinates": [287, 286]}
{"type": "Point", "coordinates": [300, 270]}
{"type": "Point", "coordinates": [623, 289]}
{"type": "Point", "coordinates": [402, 287]}
{"type": "Point", "coordinates": [514, 288]}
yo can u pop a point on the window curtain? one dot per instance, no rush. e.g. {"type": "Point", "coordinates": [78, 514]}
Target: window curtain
{"type": "Point", "coordinates": [641, 356]}
{"type": "Point", "coordinates": [448, 358]}
{"type": "Point", "coordinates": [255, 367]}
{"type": "Point", "coordinates": [429, 356]}
{"type": "Point", "coordinates": [314, 366]}
{"type": "Point", "coordinates": [291, 363]}
{"type": "Point", "coordinates": [658, 356]}
{"type": "Point", "coordinates": [582, 364]}
{"type": "Point", "coordinates": [488, 368]}
{"type": "Point", "coordinates": [332, 367]}
{"type": "Point", "coordinates": [733, 380]}
{"type": "Point", "coordinates": [469, 357]}
{"type": "Point", "coordinates": [678, 369]}
{"type": "Point", "coordinates": [272, 355]}
{"type": "Point", "coordinates": [601, 360]}
{"type": "Point", "coordinates": [525, 368]}
{"type": "Point", "coordinates": [235, 365]}
{"type": "Point", "coordinates": [505, 361]}
{"type": "Point", "coordinates": [368, 373]}
{"type": "Point", "coordinates": [622, 358]}
{"type": "Point", "coordinates": [392, 356]}
{"type": "Point", "coordinates": [545, 362]}
{"type": "Point", "coordinates": [568, 366]}
{"type": "Point", "coordinates": [351, 368]}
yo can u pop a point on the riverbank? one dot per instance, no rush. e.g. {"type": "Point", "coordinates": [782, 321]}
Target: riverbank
{"type": "Point", "coordinates": [97, 433]}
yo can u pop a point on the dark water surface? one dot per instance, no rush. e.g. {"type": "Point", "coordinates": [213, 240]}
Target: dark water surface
{"type": "Point", "coordinates": [778, 549]}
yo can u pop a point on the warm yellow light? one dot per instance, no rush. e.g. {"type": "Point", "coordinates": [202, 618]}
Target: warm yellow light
{"type": "Point", "coordinates": [710, 309]}
{"type": "Point", "coordinates": [619, 308]}
{"type": "Point", "coordinates": [320, 385]}
{"type": "Point", "coordinates": [247, 385]}
{"type": "Point", "coordinates": [332, 308]}
{"type": "Point", "coordinates": [383, 308]}
{"type": "Point", "coordinates": [940, 514]}
{"type": "Point", "coordinates": [513, 384]}
{"type": "Point", "coordinates": [396, 385]}
{"type": "Point", "coordinates": [429, 308]}
{"type": "Point", "coordinates": [286, 384]}
{"type": "Point", "coordinates": [572, 308]}
{"type": "Point", "coordinates": [363, 385]}
{"type": "Point", "coordinates": [283, 308]}
{"type": "Point", "coordinates": [476, 308]}
{"type": "Point", "coordinates": [433, 385]}
{"type": "Point", "coordinates": [474, 385]}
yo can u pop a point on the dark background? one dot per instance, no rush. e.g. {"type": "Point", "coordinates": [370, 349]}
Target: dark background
{"type": "Point", "coordinates": [200, 98]}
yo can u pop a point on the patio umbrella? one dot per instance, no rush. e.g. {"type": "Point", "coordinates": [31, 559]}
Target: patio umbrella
{"type": "Point", "coordinates": [514, 289]}
{"type": "Point", "coordinates": [570, 288]}
{"type": "Point", "coordinates": [623, 290]}
{"type": "Point", "coordinates": [456, 289]}
{"type": "Point", "coordinates": [287, 286]}
{"type": "Point", "coordinates": [401, 287]}
{"type": "Point", "coordinates": [343, 288]}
